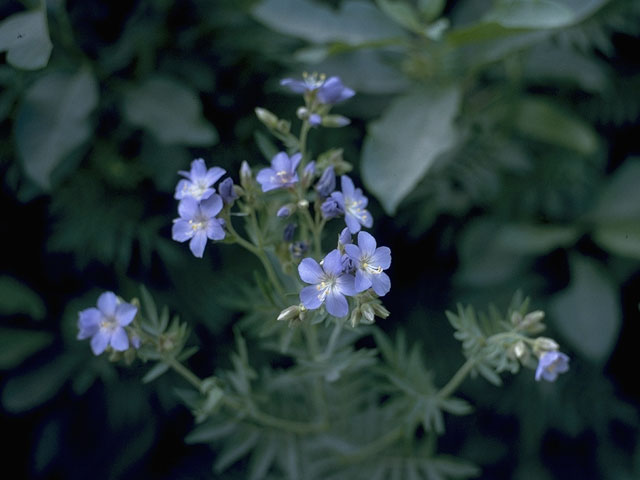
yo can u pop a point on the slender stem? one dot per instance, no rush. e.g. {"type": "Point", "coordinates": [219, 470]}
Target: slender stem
{"type": "Point", "coordinates": [259, 252]}
{"type": "Point", "coordinates": [258, 416]}
{"type": "Point", "coordinates": [457, 379]}
{"type": "Point", "coordinates": [374, 447]}
{"type": "Point", "coordinates": [333, 339]}
{"type": "Point", "coordinates": [184, 372]}
{"type": "Point", "coordinates": [304, 131]}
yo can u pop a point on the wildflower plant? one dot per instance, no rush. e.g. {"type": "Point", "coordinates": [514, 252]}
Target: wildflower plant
{"type": "Point", "coordinates": [340, 409]}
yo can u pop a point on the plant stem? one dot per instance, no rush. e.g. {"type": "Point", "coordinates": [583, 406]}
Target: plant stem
{"type": "Point", "coordinates": [304, 131]}
{"type": "Point", "coordinates": [457, 378]}
{"type": "Point", "coordinates": [184, 372]}
{"type": "Point", "coordinates": [374, 447]}
{"type": "Point", "coordinates": [333, 339]}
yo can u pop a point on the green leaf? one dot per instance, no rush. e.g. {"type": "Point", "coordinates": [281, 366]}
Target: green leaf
{"type": "Point", "coordinates": [169, 110]}
{"type": "Point", "coordinates": [535, 239]}
{"type": "Point", "coordinates": [543, 121]}
{"type": "Point", "coordinates": [16, 345]}
{"type": "Point", "coordinates": [211, 431]}
{"type": "Point", "coordinates": [25, 38]}
{"type": "Point", "coordinates": [402, 13]}
{"type": "Point", "coordinates": [356, 22]}
{"type": "Point", "coordinates": [622, 239]}
{"type": "Point", "coordinates": [16, 298]}
{"type": "Point", "coordinates": [587, 313]}
{"type": "Point", "coordinates": [24, 392]}
{"type": "Point", "coordinates": [619, 200]}
{"type": "Point", "coordinates": [156, 371]}
{"type": "Point", "coordinates": [53, 121]}
{"type": "Point", "coordinates": [402, 145]}
{"type": "Point", "coordinates": [531, 14]}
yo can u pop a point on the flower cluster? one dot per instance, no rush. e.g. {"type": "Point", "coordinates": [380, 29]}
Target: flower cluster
{"type": "Point", "coordinates": [199, 205]}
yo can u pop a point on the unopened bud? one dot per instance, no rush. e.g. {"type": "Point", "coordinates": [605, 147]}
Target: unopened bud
{"type": "Point", "coordinates": [302, 113]}
{"type": "Point", "coordinates": [380, 310]}
{"type": "Point", "coordinates": [289, 314]}
{"type": "Point", "coordinates": [545, 344]}
{"type": "Point", "coordinates": [335, 121]}
{"type": "Point", "coordinates": [532, 317]}
{"type": "Point", "coordinates": [286, 210]}
{"type": "Point", "coordinates": [283, 126]}
{"type": "Point", "coordinates": [355, 317]}
{"type": "Point", "coordinates": [266, 117]}
{"type": "Point", "coordinates": [368, 314]}
{"type": "Point", "coordinates": [520, 349]}
{"type": "Point", "coordinates": [246, 177]}
{"type": "Point", "coordinates": [516, 318]}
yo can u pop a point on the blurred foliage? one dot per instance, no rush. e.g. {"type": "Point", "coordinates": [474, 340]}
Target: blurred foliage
{"type": "Point", "coordinates": [500, 135]}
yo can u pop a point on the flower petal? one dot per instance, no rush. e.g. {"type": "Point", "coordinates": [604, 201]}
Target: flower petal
{"type": "Point", "coordinates": [367, 243]}
{"type": "Point", "coordinates": [381, 283]}
{"type": "Point", "coordinates": [362, 282]}
{"type": "Point", "coordinates": [296, 86]}
{"type": "Point", "coordinates": [347, 186]}
{"type": "Point", "coordinates": [107, 303]}
{"type": "Point", "coordinates": [125, 313]}
{"type": "Point", "coordinates": [181, 189]}
{"type": "Point", "coordinates": [382, 257]}
{"type": "Point", "coordinates": [295, 160]}
{"type": "Point", "coordinates": [345, 284]}
{"type": "Point", "coordinates": [311, 297]}
{"type": "Point", "coordinates": [215, 230]}
{"type": "Point", "coordinates": [119, 340]}
{"type": "Point", "coordinates": [88, 322]}
{"type": "Point", "coordinates": [333, 262]}
{"type": "Point", "coordinates": [353, 251]}
{"type": "Point", "coordinates": [198, 169]}
{"type": "Point", "coordinates": [352, 222]}
{"type": "Point", "coordinates": [310, 271]}
{"type": "Point", "coordinates": [337, 304]}
{"type": "Point", "coordinates": [100, 341]}
{"type": "Point", "coordinates": [181, 231]}
{"type": "Point", "coordinates": [197, 243]}
{"type": "Point", "coordinates": [211, 206]}
{"type": "Point", "coordinates": [281, 162]}
{"type": "Point", "coordinates": [214, 174]}
{"type": "Point", "coordinates": [187, 208]}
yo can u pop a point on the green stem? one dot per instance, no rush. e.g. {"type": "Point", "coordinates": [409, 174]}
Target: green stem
{"type": "Point", "coordinates": [304, 131]}
{"type": "Point", "coordinates": [457, 379]}
{"type": "Point", "coordinates": [184, 372]}
{"type": "Point", "coordinates": [259, 252]}
{"type": "Point", "coordinates": [335, 334]}
{"type": "Point", "coordinates": [256, 415]}
{"type": "Point", "coordinates": [374, 447]}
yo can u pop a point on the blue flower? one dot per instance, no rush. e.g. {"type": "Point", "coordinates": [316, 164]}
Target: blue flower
{"type": "Point", "coordinates": [326, 184]}
{"type": "Point", "coordinates": [330, 208]}
{"type": "Point", "coordinates": [370, 262]}
{"type": "Point", "coordinates": [282, 173]}
{"type": "Point", "coordinates": [333, 91]}
{"type": "Point", "coordinates": [329, 284]}
{"type": "Point", "coordinates": [328, 91]}
{"type": "Point", "coordinates": [105, 324]}
{"type": "Point", "coordinates": [227, 192]}
{"type": "Point", "coordinates": [197, 222]}
{"type": "Point", "coordinates": [353, 203]}
{"type": "Point", "coordinates": [551, 364]}
{"type": "Point", "coordinates": [198, 181]}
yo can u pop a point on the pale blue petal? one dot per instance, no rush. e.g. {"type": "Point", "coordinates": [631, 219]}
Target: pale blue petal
{"type": "Point", "coordinates": [337, 304]}
{"type": "Point", "coordinates": [311, 297]}
{"type": "Point", "coordinates": [119, 340]}
{"type": "Point", "coordinates": [107, 303]}
{"type": "Point", "coordinates": [215, 230]}
{"type": "Point", "coordinates": [197, 243]}
{"type": "Point", "coordinates": [310, 271]}
{"type": "Point", "coordinates": [345, 284]}
{"type": "Point", "coordinates": [211, 206]}
{"type": "Point", "coordinates": [362, 281]}
{"type": "Point", "coordinates": [88, 322]}
{"type": "Point", "coordinates": [187, 208]}
{"type": "Point", "coordinates": [214, 174]}
{"type": "Point", "coordinates": [100, 341]}
{"type": "Point", "coordinates": [125, 313]}
{"type": "Point", "coordinates": [295, 160]}
{"type": "Point", "coordinates": [382, 257]}
{"type": "Point", "coordinates": [181, 189]}
{"type": "Point", "coordinates": [181, 231]}
{"type": "Point", "coordinates": [353, 251]}
{"type": "Point", "coordinates": [281, 162]}
{"type": "Point", "coordinates": [333, 262]}
{"type": "Point", "coordinates": [347, 186]}
{"type": "Point", "coordinates": [352, 222]}
{"type": "Point", "coordinates": [198, 169]}
{"type": "Point", "coordinates": [367, 243]}
{"type": "Point", "coordinates": [381, 283]}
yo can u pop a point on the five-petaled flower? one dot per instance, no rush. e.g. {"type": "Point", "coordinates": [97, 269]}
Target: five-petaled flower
{"type": "Point", "coordinates": [282, 173]}
{"type": "Point", "coordinates": [551, 364]}
{"type": "Point", "coordinates": [370, 262]}
{"type": "Point", "coordinates": [105, 324]}
{"type": "Point", "coordinates": [329, 284]}
{"type": "Point", "coordinates": [197, 223]}
{"type": "Point", "coordinates": [198, 182]}
{"type": "Point", "coordinates": [328, 91]}
{"type": "Point", "coordinates": [353, 203]}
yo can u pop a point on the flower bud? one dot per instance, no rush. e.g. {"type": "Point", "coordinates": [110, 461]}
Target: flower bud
{"type": "Point", "coordinates": [246, 177]}
{"type": "Point", "coordinates": [289, 231]}
{"type": "Point", "coordinates": [315, 120]}
{"type": "Point", "coordinates": [286, 210]}
{"type": "Point", "coordinates": [266, 117]}
{"type": "Point", "coordinates": [380, 310]}
{"type": "Point", "coordinates": [327, 182]}
{"type": "Point", "coordinates": [532, 318]}
{"type": "Point", "coordinates": [335, 121]}
{"type": "Point", "coordinates": [355, 317]}
{"type": "Point", "coordinates": [368, 314]}
{"type": "Point", "coordinates": [544, 344]}
{"type": "Point", "coordinates": [289, 313]}
{"type": "Point", "coordinates": [520, 349]}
